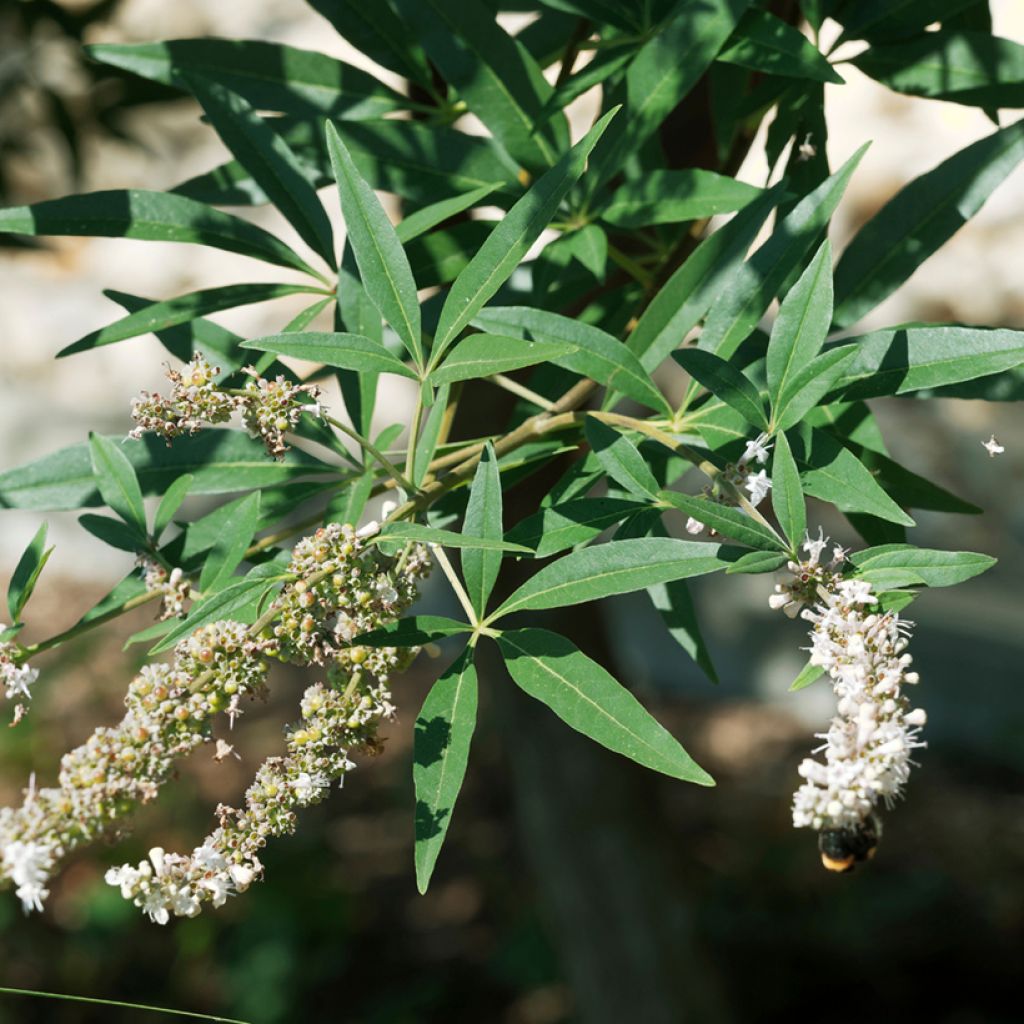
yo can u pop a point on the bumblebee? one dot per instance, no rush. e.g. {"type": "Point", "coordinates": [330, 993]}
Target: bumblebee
{"type": "Point", "coordinates": [842, 849]}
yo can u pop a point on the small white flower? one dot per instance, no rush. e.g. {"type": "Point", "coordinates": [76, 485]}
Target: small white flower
{"type": "Point", "coordinates": [758, 484]}
{"type": "Point", "coordinates": [694, 526]}
{"type": "Point", "coordinates": [993, 447]}
{"type": "Point", "coordinates": [220, 885]}
{"type": "Point", "coordinates": [28, 865]}
{"type": "Point", "coordinates": [757, 450]}
{"type": "Point", "coordinates": [225, 750]}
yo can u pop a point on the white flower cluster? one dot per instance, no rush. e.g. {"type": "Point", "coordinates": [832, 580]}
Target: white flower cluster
{"type": "Point", "coordinates": [173, 587]}
{"type": "Point", "coordinates": [335, 724]}
{"type": "Point", "coordinates": [120, 767]}
{"type": "Point", "coordinates": [15, 677]}
{"type": "Point", "coordinates": [740, 476]}
{"type": "Point", "coordinates": [868, 746]}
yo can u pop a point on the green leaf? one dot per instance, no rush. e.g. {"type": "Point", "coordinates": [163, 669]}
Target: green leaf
{"type": "Point", "coordinates": [833, 473]}
{"type": "Point", "coordinates": [729, 521]}
{"type": "Point", "coordinates": [270, 76]}
{"type": "Point", "coordinates": [376, 31]}
{"type": "Point", "coordinates": [758, 562]}
{"type": "Point", "coordinates": [661, 74]}
{"type": "Point", "coordinates": [447, 539]}
{"type": "Point", "coordinates": [26, 573]}
{"type": "Point", "coordinates": [898, 360]}
{"type": "Point", "coordinates": [444, 730]}
{"type": "Point", "coordinates": [383, 264]}
{"type": "Point", "coordinates": [171, 502]}
{"type": "Point", "coordinates": [763, 42]}
{"type": "Point", "coordinates": [426, 444]}
{"type": "Point", "coordinates": [551, 669]}
{"type": "Point", "coordinates": [800, 328]}
{"type": "Point", "coordinates": [617, 568]}
{"type": "Point", "coordinates": [787, 494]}
{"type": "Point", "coordinates": [935, 568]}
{"type": "Point", "coordinates": [919, 219]}
{"type": "Point", "coordinates": [115, 477]}
{"type": "Point", "coordinates": [267, 157]}
{"type": "Point", "coordinates": [483, 519]}
{"type": "Point", "coordinates": [159, 316]}
{"type": "Point", "coordinates": [668, 197]}
{"type": "Point", "coordinates": [220, 461]}
{"type": "Point", "coordinates": [589, 245]}
{"type": "Point", "coordinates": [480, 355]}
{"type": "Point", "coordinates": [237, 601]}
{"type": "Point", "coordinates": [689, 292]}
{"type": "Point", "coordinates": [508, 243]}
{"type": "Point", "coordinates": [345, 351]}
{"type": "Point", "coordinates": [974, 68]}
{"type": "Point", "coordinates": [604, 64]}
{"type": "Point", "coordinates": [114, 532]}
{"type": "Point", "coordinates": [571, 522]}
{"type": "Point", "coordinates": [881, 19]}
{"type": "Point", "coordinates": [620, 458]}
{"type": "Point", "coordinates": [736, 312]}
{"type": "Point", "coordinates": [725, 381]}
{"type": "Point", "coordinates": [422, 220]}
{"type": "Point", "coordinates": [598, 354]}
{"type": "Point", "coordinates": [810, 385]}
{"type": "Point", "coordinates": [413, 631]}
{"type": "Point", "coordinates": [152, 217]}
{"type": "Point", "coordinates": [807, 675]}
{"type": "Point", "coordinates": [230, 547]}
{"type": "Point", "coordinates": [500, 82]}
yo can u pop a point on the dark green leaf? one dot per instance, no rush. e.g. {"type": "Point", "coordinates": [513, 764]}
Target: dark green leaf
{"type": "Point", "coordinates": [26, 573]}
{"type": "Point", "coordinates": [898, 360]}
{"type": "Point", "coordinates": [347, 351]}
{"type": "Point", "coordinates": [570, 522]}
{"type": "Point", "coordinates": [270, 76]}
{"type": "Point", "coordinates": [552, 670]}
{"type": "Point", "coordinates": [383, 264]}
{"type": "Point", "coordinates": [508, 243]}
{"type": "Point", "coordinates": [266, 156]}
{"type": "Point", "coordinates": [598, 354]}
{"type": "Point", "coordinates": [935, 568]}
{"type": "Point", "coordinates": [498, 79]}
{"type": "Point", "coordinates": [220, 461]}
{"type": "Point", "coordinates": [159, 316]}
{"type": "Point", "coordinates": [115, 477]}
{"type": "Point", "coordinates": [618, 568]}
{"type": "Point", "coordinates": [667, 197]}
{"type": "Point", "coordinates": [414, 631]}
{"type": "Point", "coordinates": [763, 42]}
{"type": "Point", "coordinates": [232, 543]}
{"type": "Point", "coordinates": [663, 71]}
{"type": "Point", "coordinates": [689, 292]}
{"type": "Point", "coordinates": [151, 216]}
{"type": "Point", "coordinates": [171, 502]}
{"type": "Point", "coordinates": [787, 494]}
{"type": "Point", "coordinates": [725, 381]}
{"type": "Point", "coordinates": [480, 355]}
{"type": "Point", "coordinates": [810, 385]}
{"type": "Point", "coordinates": [800, 328]}
{"type": "Point", "coordinates": [444, 730]}
{"type": "Point", "coordinates": [483, 519]}
{"type": "Point", "coordinates": [621, 459]}
{"type": "Point", "coordinates": [426, 444]}
{"type": "Point", "coordinates": [974, 68]}
{"type": "Point", "coordinates": [422, 220]}
{"type": "Point", "coordinates": [729, 521]}
{"type": "Point", "coordinates": [114, 532]}
{"type": "Point", "coordinates": [758, 562]}
{"type": "Point", "coordinates": [919, 219]}
{"type": "Point", "coordinates": [737, 310]}
{"type": "Point", "coordinates": [447, 539]}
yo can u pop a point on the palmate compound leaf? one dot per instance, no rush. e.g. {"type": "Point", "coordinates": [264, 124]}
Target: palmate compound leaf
{"type": "Point", "coordinates": [618, 568]}
{"type": "Point", "coordinates": [587, 698]}
{"type": "Point", "coordinates": [508, 243]}
{"type": "Point", "coordinates": [150, 216]}
{"type": "Point", "coordinates": [444, 730]}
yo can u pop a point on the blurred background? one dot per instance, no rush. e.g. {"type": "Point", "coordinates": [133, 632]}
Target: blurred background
{"type": "Point", "coordinates": [574, 887]}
